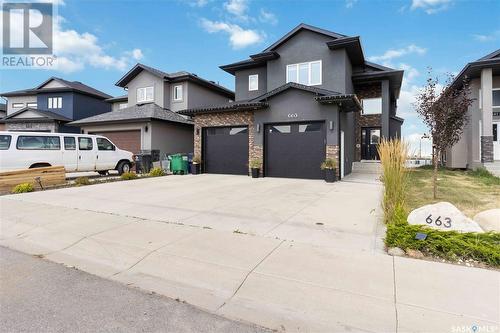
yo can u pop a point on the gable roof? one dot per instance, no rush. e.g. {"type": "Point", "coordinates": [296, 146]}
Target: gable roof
{"type": "Point", "coordinates": [293, 85]}
{"type": "Point", "coordinates": [44, 115]}
{"type": "Point", "coordinates": [68, 86]}
{"type": "Point", "coordinates": [142, 112]}
{"type": "Point", "coordinates": [297, 29]}
{"type": "Point", "coordinates": [172, 77]}
{"type": "Point", "coordinates": [473, 69]}
{"type": "Point", "coordinates": [122, 98]}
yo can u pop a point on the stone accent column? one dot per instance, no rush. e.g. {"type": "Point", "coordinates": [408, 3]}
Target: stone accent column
{"type": "Point", "coordinates": [487, 115]}
{"type": "Point", "coordinates": [332, 151]}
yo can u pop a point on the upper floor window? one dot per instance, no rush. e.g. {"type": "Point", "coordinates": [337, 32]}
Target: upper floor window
{"type": "Point", "coordinates": [54, 103]}
{"type": "Point", "coordinates": [32, 105]}
{"type": "Point", "coordinates": [253, 82]}
{"type": "Point", "coordinates": [307, 73]}
{"type": "Point", "coordinates": [496, 97]}
{"type": "Point", "coordinates": [17, 105]}
{"type": "Point", "coordinates": [178, 93]}
{"type": "Point", "coordinates": [372, 105]}
{"type": "Point", "coordinates": [145, 94]}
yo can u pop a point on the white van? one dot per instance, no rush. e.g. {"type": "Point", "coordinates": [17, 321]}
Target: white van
{"type": "Point", "coordinates": [76, 152]}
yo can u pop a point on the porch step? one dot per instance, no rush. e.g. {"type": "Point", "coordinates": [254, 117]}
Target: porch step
{"type": "Point", "coordinates": [493, 167]}
{"type": "Point", "coordinates": [367, 167]}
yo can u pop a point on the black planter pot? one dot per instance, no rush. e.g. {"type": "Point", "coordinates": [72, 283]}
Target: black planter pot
{"type": "Point", "coordinates": [330, 175]}
{"type": "Point", "coordinates": [195, 168]}
{"type": "Point", "coordinates": [255, 172]}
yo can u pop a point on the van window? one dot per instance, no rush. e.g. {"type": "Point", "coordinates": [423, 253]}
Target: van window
{"type": "Point", "coordinates": [104, 144]}
{"type": "Point", "coordinates": [69, 143]}
{"type": "Point", "coordinates": [85, 143]}
{"type": "Point", "coordinates": [5, 142]}
{"type": "Point", "coordinates": [32, 142]}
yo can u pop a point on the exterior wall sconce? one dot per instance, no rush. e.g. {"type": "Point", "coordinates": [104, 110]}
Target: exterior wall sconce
{"type": "Point", "coordinates": [197, 131]}
{"type": "Point", "coordinates": [146, 129]}
{"type": "Point", "coordinates": [258, 128]}
{"type": "Point", "coordinates": [331, 125]}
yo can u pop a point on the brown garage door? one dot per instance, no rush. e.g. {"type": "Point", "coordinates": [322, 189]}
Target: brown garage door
{"type": "Point", "coordinates": [126, 140]}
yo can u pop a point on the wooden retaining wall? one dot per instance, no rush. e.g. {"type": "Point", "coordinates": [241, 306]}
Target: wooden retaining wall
{"type": "Point", "coordinates": [47, 176]}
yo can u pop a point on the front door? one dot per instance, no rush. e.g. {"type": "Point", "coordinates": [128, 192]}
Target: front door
{"type": "Point", "coordinates": [370, 137]}
{"type": "Point", "coordinates": [496, 141]}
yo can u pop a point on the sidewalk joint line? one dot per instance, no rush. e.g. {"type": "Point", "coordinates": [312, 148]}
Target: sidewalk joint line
{"type": "Point", "coordinates": [395, 293]}
{"type": "Point", "coordinates": [248, 274]}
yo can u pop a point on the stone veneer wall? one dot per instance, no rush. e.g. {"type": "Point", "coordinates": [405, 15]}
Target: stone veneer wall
{"type": "Point", "coordinates": [32, 126]}
{"type": "Point", "coordinates": [332, 151]}
{"type": "Point", "coordinates": [227, 119]}
{"type": "Point", "coordinates": [370, 120]}
{"type": "Point", "coordinates": [486, 149]}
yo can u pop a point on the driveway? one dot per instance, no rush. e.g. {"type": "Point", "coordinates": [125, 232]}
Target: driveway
{"type": "Point", "coordinates": [290, 255]}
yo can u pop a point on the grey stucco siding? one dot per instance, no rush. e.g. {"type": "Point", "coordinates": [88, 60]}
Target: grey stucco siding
{"type": "Point", "coordinates": [308, 46]}
{"type": "Point", "coordinates": [302, 104]}
{"type": "Point", "coordinates": [347, 125]}
{"type": "Point", "coordinates": [241, 83]}
{"type": "Point", "coordinates": [146, 79]}
{"type": "Point", "coordinates": [171, 138]}
{"type": "Point", "coordinates": [200, 96]}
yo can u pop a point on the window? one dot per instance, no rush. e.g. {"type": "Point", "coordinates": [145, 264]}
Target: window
{"type": "Point", "coordinates": [372, 105]}
{"type": "Point", "coordinates": [374, 136]}
{"type": "Point", "coordinates": [178, 93]}
{"type": "Point", "coordinates": [104, 144]}
{"type": "Point", "coordinates": [253, 82]}
{"type": "Point", "coordinates": [32, 105]}
{"type": "Point", "coordinates": [496, 98]}
{"type": "Point", "coordinates": [238, 130]}
{"type": "Point", "coordinates": [495, 132]}
{"type": "Point", "coordinates": [307, 73]}
{"type": "Point", "coordinates": [312, 127]}
{"type": "Point", "coordinates": [122, 106]}
{"type": "Point", "coordinates": [17, 105]}
{"type": "Point", "coordinates": [26, 142]}
{"type": "Point", "coordinates": [69, 143]}
{"type": "Point", "coordinates": [280, 129]}
{"type": "Point", "coordinates": [54, 102]}
{"type": "Point", "coordinates": [5, 142]}
{"type": "Point", "coordinates": [85, 143]}
{"type": "Point", "coordinates": [145, 94]}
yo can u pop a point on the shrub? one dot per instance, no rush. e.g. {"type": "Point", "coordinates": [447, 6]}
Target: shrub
{"type": "Point", "coordinates": [394, 176]}
{"type": "Point", "coordinates": [255, 164]}
{"type": "Point", "coordinates": [23, 188]}
{"type": "Point", "coordinates": [156, 172]}
{"type": "Point", "coordinates": [329, 164]}
{"type": "Point", "coordinates": [82, 181]}
{"type": "Point", "coordinates": [128, 175]}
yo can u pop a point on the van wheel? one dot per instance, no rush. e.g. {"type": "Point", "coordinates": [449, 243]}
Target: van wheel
{"type": "Point", "coordinates": [103, 173]}
{"type": "Point", "coordinates": [123, 167]}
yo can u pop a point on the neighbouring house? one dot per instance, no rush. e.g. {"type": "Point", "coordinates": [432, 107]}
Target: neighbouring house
{"type": "Point", "coordinates": [3, 113]}
{"type": "Point", "coordinates": [50, 106]}
{"type": "Point", "coordinates": [147, 117]}
{"type": "Point", "coordinates": [309, 96]}
{"type": "Point", "coordinates": [479, 145]}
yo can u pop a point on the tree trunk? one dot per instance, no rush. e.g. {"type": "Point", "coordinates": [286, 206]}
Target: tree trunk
{"type": "Point", "coordinates": [434, 176]}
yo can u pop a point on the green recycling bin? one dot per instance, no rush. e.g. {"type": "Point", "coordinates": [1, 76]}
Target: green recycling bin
{"type": "Point", "coordinates": [179, 164]}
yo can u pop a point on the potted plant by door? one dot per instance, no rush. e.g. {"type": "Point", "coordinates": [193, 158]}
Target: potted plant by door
{"type": "Point", "coordinates": [196, 165]}
{"type": "Point", "coordinates": [329, 166]}
{"type": "Point", "coordinates": [255, 167]}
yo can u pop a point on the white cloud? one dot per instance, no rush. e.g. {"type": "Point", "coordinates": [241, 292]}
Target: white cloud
{"type": "Point", "coordinates": [350, 3]}
{"type": "Point", "coordinates": [487, 37]}
{"type": "Point", "coordinates": [238, 8]}
{"type": "Point", "coordinates": [267, 17]}
{"type": "Point", "coordinates": [238, 37]}
{"type": "Point", "coordinates": [397, 53]}
{"type": "Point", "coordinates": [410, 72]}
{"type": "Point", "coordinates": [431, 6]}
{"type": "Point", "coordinates": [197, 3]}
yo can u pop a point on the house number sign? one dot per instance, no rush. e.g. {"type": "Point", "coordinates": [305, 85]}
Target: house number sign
{"type": "Point", "coordinates": [439, 221]}
{"type": "Point", "coordinates": [293, 115]}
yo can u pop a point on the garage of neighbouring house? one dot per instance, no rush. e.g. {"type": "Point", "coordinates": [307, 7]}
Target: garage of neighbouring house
{"type": "Point", "coordinates": [126, 140]}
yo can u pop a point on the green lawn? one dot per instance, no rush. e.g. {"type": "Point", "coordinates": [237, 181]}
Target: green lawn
{"type": "Point", "coordinates": [471, 191]}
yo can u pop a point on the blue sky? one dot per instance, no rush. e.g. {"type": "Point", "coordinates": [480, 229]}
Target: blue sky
{"type": "Point", "coordinates": [97, 41]}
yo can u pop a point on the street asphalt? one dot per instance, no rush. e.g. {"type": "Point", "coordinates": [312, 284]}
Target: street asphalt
{"type": "Point", "coordinates": [40, 296]}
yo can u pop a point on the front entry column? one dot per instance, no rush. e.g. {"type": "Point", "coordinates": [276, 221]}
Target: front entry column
{"type": "Point", "coordinates": [487, 115]}
{"type": "Point", "coordinates": [386, 108]}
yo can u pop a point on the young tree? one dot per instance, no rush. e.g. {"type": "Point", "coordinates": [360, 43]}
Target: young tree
{"type": "Point", "coordinates": [445, 113]}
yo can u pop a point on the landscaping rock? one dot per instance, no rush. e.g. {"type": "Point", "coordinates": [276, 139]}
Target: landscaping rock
{"type": "Point", "coordinates": [489, 220]}
{"type": "Point", "coordinates": [414, 254]}
{"type": "Point", "coordinates": [396, 251]}
{"type": "Point", "coordinates": [443, 216]}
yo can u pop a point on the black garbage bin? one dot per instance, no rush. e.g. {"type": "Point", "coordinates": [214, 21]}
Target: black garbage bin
{"type": "Point", "coordinates": [143, 162]}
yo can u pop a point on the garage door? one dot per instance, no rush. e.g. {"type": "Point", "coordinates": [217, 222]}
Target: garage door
{"type": "Point", "coordinates": [126, 140]}
{"type": "Point", "coordinates": [225, 150]}
{"type": "Point", "coordinates": [295, 150]}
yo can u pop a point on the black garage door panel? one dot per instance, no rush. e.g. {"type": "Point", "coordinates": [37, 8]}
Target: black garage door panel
{"type": "Point", "coordinates": [225, 150]}
{"type": "Point", "coordinates": [295, 150]}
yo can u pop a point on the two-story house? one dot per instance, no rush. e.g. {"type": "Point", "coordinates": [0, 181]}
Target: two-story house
{"type": "Point", "coordinates": [309, 96]}
{"type": "Point", "coordinates": [146, 118]}
{"type": "Point", "coordinates": [479, 145]}
{"type": "Point", "coordinates": [50, 106]}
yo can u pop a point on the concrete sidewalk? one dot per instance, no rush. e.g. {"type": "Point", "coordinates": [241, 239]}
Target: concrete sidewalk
{"type": "Point", "coordinates": [280, 284]}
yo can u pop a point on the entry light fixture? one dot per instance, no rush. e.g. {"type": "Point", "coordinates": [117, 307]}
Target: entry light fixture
{"type": "Point", "coordinates": [258, 128]}
{"type": "Point", "coordinates": [331, 125]}
{"type": "Point", "coordinates": [146, 128]}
